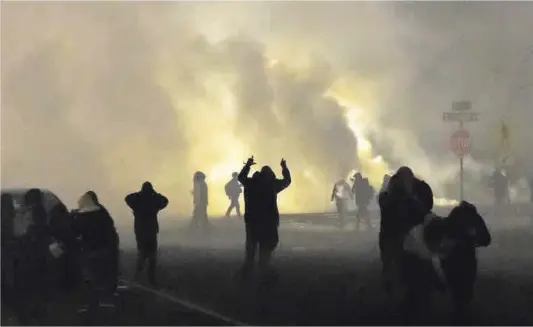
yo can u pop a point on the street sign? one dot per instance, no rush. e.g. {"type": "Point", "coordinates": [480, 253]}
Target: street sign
{"type": "Point", "coordinates": [461, 106]}
{"type": "Point", "coordinates": [460, 142]}
{"type": "Point", "coordinates": [460, 116]}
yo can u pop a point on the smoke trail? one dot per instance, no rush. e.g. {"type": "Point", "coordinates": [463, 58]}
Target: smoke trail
{"type": "Point", "coordinates": [107, 95]}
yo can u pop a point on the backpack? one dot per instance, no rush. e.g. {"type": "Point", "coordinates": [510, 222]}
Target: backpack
{"type": "Point", "coordinates": [228, 189]}
{"type": "Point", "coordinates": [22, 221]}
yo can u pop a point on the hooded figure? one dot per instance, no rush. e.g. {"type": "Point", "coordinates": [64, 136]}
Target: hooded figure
{"type": "Point", "coordinates": [261, 215]}
{"type": "Point", "coordinates": [233, 191]}
{"type": "Point", "coordinates": [401, 210]}
{"type": "Point", "coordinates": [363, 194]}
{"type": "Point", "coordinates": [146, 204]}
{"type": "Point", "coordinates": [29, 251]}
{"type": "Point", "coordinates": [115, 251]}
{"type": "Point", "coordinates": [200, 201]}
{"type": "Point", "coordinates": [466, 230]}
{"type": "Point", "coordinates": [97, 237]}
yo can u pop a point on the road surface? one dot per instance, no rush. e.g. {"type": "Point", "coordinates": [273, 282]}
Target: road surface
{"type": "Point", "coordinates": [327, 277]}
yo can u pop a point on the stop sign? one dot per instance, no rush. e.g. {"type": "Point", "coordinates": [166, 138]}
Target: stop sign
{"type": "Point", "coordinates": [460, 142]}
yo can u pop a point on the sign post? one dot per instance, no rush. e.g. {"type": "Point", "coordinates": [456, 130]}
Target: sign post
{"type": "Point", "coordinates": [460, 139]}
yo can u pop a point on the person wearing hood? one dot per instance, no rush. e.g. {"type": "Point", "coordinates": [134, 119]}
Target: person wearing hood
{"type": "Point", "coordinates": [145, 205]}
{"type": "Point", "coordinates": [97, 237]}
{"type": "Point", "coordinates": [363, 194]}
{"type": "Point", "coordinates": [200, 202]}
{"type": "Point", "coordinates": [400, 212]}
{"type": "Point", "coordinates": [261, 215]}
{"type": "Point", "coordinates": [115, 251]}
{"type": "Point", "coordinates": [33, 271]}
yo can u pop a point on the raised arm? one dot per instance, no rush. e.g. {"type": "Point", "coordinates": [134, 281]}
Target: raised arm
{"type": "Point", "coordinates": [333, 192]}
{"type": "Point", "coordinates": [243, 175]}
{"type": "Point", "coordinates": [283, 183]}
{"type": "Point", "coordinates": [163, 202]}
{"type": "Point", "coordinates": [131, 200]}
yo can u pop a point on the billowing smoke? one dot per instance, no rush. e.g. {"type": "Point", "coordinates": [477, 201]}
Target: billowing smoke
{"type": "Point", "coordinates": [106, 95]}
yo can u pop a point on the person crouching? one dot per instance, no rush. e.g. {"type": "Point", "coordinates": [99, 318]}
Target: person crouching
{"type": "Point", "coordinates": [97, 238]}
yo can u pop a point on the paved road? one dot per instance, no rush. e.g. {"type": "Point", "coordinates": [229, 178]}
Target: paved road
{"type": "Point", "coordinates": [332, 278]}
{"type": "Point", "coordinates": [327, 277]}
{"type": "Point", "coordinates": [134, 306]}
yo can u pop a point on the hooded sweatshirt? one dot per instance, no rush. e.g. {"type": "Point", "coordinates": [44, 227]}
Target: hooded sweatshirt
{"type": "Point", "coordinates": [94, 227]}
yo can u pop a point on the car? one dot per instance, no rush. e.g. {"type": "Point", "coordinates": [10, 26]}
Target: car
{"type": "Point", "coordinates": [64, 270]}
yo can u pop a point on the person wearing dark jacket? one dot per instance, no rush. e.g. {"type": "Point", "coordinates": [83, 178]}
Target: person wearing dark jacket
{"type": "Point", "coordinates": [114, 274]}
{"type": "Point", "coordinates": [424, 193]}
{"type": "Point", "coordinates": [399, 213]}
{"type": "Point", "coordinates": [8, 214]}
{"type": "Point", "coordinates": [145, 205]}
{"type": "Point", "coordinates": [407, 278]}
{"type": "Point", "coordinates": [261, 215]}
{"type": "Point", "coordinates": [30, 257]}
{"type": "Point", "coordinates": [467, 230]}
{"type": "Point", "coordinates": [97, 238]}
{"type": "Point", "coordinates": [363, 193]}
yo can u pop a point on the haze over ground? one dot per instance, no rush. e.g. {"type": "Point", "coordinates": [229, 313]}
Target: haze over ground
{"type": "Point", "coordinates": [106, 95]}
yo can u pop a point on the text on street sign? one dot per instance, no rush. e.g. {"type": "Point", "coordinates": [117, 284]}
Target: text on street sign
{"type": "Point", "coordinates": [460, 116]}
{"type": "Point", "coordinates": [461, 106]}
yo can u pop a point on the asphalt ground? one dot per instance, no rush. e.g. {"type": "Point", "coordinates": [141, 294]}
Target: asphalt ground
{"type": "Point", "coordinates": [329, 277]}
{"type": "Point", "coordinates": [326, 277]}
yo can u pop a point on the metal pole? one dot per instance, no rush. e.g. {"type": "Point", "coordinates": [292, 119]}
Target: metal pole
{"type": "Point", "coordinates": [462, 194]}
{"type": "Point", "coordinates": [461, 173]}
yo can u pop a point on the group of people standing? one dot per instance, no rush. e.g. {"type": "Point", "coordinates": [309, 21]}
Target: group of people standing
{"type": "Point", "coordinates": [46, 249]}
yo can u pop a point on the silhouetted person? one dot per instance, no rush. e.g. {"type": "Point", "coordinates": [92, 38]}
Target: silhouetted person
{"type": "Point", "coordinates": [341, 194]}
{"type": "Point", "coordinates": [261, 215]}
{"type": "Point", "coordinates": [8, 214]}
{"type": "Point", "coordinates": [363, 193]}
{"type": "Point", "coordinates": [233, 191]}
{"type": "Point", "coordinates": [97, 237]}
{"type": "Point", "coordinates": [405, 275]}
{"type": "Point", "coordinates": [467, 230]}
{"type": "Point", "coordinates": [30, 262]}
{"type": "Point", "coordinates": [385, 182]}
{"type": "Point", "coordinates": [424, 194]}
{"type": "Point", "coordinates": [200, 202]}
{"type": "Point", "coordinates": [500, 184]}
{"type": "Point", "coordinates": [114, 272]}
{"type": "Point", "coordinates": [145, 205]}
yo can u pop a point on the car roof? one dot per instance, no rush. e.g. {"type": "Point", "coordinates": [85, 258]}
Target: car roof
{"type": "Point", "coordinates": [50, 199]}
{"type": "Point", "coordinates": [22, 191]}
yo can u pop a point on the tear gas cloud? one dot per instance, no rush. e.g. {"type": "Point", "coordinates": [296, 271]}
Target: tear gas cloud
{"type": "Point", "coordinates": [106, 95]}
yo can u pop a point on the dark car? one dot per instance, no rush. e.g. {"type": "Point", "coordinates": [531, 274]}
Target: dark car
{"type": "Point", "coordinates": [64, 270]}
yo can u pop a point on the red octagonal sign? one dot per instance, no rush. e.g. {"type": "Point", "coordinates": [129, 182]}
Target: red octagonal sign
{"type": "Point", "coordinates": [460, 142]}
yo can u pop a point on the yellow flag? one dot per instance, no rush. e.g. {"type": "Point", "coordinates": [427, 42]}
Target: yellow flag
{"type": "Point", "coordinates": [505, 142]}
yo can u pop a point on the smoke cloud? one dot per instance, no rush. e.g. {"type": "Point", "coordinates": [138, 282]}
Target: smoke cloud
{"type": "Point", "coordinates": [106, 95]}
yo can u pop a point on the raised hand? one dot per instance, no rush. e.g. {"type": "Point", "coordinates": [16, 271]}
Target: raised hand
{"type": "Point", "coordinates": [283, 163]}
{"type": "Point", "coordinates": [250, 161]}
